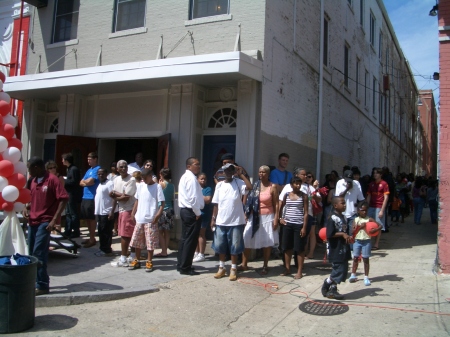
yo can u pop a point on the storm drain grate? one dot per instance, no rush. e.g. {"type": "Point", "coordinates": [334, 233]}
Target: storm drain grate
{"type": "Point", "coordinates": [323, 308]}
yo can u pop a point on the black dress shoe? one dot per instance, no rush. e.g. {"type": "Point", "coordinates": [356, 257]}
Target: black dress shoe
{"type": "Point", "coordinates": [74, 236]}
{"type": "Point", "coordinates": [191, 272]}
{"type": "Point", "coordinates": [179, 269]}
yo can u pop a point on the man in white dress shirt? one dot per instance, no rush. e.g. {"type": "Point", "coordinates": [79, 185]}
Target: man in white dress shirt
{"type": "Point", "coordinates": [350, 189]}
{"type": "Point", "coordinates": [190, 201]}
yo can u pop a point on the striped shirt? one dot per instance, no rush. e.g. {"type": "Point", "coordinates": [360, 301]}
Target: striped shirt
{"type": "Point", "coordinates": [294, 210]}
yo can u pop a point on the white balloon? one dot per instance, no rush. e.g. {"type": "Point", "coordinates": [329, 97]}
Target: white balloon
{"type": "Point", "coordinates": [10, 193]}
{"type": "Point", "coordinates": [8, 119]}
{"type": "Point", "coordinates": [18, 207]}
{"type": "Point", "coordinates": [21, 167]}
{"type": "Point", "coordinates": [5, 97]}
{"type": "Point", "coordinates": [3, 183]}
{"type": "Point", "coordinates": [12, 154]}
{"type": "Point", "coordinates": [3, 143]}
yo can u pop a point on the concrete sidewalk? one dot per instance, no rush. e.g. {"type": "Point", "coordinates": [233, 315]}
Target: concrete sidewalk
{"type": "Point", "coordinates": [405, 297]}
{"type": "Point", "coordinates": [86, 278]}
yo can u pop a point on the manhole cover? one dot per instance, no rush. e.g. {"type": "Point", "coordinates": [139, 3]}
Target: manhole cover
{"type": "Point", "coordinates": [323, 308]}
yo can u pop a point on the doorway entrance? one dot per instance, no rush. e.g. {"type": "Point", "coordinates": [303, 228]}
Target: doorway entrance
{"type": "Point", "coordinates": [214, 147]}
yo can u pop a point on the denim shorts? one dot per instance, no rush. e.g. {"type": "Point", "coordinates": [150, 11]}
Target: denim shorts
{"type": "Point", "coordinates": [373, 213]}
{"type": "Point", "coordinates": [229, 239]}
{"type": "Point", "coordinates": [362, 246]}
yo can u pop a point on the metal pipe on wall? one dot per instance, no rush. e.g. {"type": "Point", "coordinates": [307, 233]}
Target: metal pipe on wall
{"type": "Point", "coordinates": [320, 112]}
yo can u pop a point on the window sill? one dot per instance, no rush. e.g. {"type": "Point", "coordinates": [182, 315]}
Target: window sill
{"type": "Point", "coordinates": [347, 89]}
{"type": "Point", "coordinates": [373, 48]}
{"type": "Point", "coordinates": [208, 19]}
{"type": "Point", "coordinates": [128, 32]}
{"type": "Point", "coordinates": [62, 44]}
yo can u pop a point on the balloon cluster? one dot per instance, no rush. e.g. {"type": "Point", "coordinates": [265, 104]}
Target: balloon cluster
{"type": "Point", "coordinates": [13, 194]}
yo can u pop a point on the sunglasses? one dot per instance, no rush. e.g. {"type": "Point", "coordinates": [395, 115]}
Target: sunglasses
{"type": "Point", "coordinates": [51, 168]}
{"type": "Point", "coordinates": [123, 166]}
{"type": "Point", "coordinates": [308, 176]}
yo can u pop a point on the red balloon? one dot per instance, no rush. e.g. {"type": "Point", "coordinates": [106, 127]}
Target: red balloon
{"type": "Point", "coordinates": [6, 168]}
{"type": "Point", "coordinates": [7, 131]}
{"type": "Point", "coordinates": [8, 206]}
{"type": "Point", "coordinates": [24, 196]}
{"type": "Point", "coordinates": [371, 225]}
{"type": "Point", "coordinates": [14, 142]}
{"type": "Point", "coordinates": [323, 234]}
{"type": "Point", "coordinates": [2, 77]}
{"type": "Point", "coordinates": [17, 179]}
{"type": "Point", "coordinates": [4, 108]}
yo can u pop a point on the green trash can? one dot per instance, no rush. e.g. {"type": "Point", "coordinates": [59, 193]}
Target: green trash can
{"type": "Point", "coordinates": [17, 296]}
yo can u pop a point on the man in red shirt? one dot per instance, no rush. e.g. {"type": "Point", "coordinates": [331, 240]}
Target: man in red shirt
{"type": "Point", "coordinates": [48, 199]}
{"type": "Point", "coordinates": [377, 197]}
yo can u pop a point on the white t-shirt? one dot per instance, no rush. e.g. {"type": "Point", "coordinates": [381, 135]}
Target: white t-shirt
{"type": "Point", "coordinates": [103, 202]}
{"type": "Point", "coordinates": [351, 197]}
{"type": "Point", "coordinates": [228, 197]}
{"type": "Point", "coordinates": [133, 167]}
{"type": "Point", "coordinates": [305, 187]}
{"type": "Point", "coordinates": [148, 197]}
{"type": "Point", "coordinates": [125, 185]}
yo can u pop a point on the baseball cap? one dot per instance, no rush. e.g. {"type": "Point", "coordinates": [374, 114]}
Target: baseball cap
{"type": "Point", "coordinates": [228, 165]}
{"type": "Point", "coordinates": [348, 176]}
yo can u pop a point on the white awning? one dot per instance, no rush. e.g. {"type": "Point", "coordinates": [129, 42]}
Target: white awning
{"type": "Point", "coordinates": [210, 70]}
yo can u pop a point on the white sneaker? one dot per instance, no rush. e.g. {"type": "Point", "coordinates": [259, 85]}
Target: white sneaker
{"type": "Point", "coordinates": [195, 255]}
{"type": "Point", "coordinates": [120, 263]}
{"type": "Point", "coordinates": [130, 259]}
{"type": "Point", "coordinates": [199, 258]}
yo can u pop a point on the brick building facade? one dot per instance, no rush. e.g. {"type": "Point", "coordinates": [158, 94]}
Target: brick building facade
{"type": "Point", "coordinates": [428, 121]}
{"type": "Point", "coordinates": [444, 137]}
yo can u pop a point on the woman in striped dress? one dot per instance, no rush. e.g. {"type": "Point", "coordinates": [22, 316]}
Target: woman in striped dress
{"type": "Point", "coordinates": [294, 210]}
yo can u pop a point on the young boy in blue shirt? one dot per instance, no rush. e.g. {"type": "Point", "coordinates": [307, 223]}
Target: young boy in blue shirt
{"type": "Point", "coordinates": [338, 249]}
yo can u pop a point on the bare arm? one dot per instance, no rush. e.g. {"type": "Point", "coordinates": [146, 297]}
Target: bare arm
{"type": "Point", "coordinates": [274, 193]}
{"type": "Point", "coordinates": [87, 182]}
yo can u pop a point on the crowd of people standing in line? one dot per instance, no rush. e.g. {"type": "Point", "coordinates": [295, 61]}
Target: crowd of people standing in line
{"type": "Point", "coordinates": [280, 209]}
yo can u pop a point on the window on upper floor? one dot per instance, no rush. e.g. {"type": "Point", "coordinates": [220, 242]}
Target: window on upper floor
{"type": "Point", "coordinates": [380, 46]}
{"type": "Point", "coordinates": [65, 24]}
{"type": "Point", "coordinates": [346, 61]}
{"type": "Point", "coordinates": [361, 13]}
{"type": "Point", "coordinates": [325, 42]}
{"type": "Point", "coordinates": [204, 8]}
{"type": "Point", "coordinates": [129, 14]}
{"type": "Point", "coordinates": [374, 95]}
{"type": "Point", "coordinates": [372, 29]}
{"type": "Point", "coordinates": [366, 88]}
{"type": "Point", "coordinates": [358, 65]}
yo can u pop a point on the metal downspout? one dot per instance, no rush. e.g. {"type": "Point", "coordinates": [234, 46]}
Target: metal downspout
{"type": "Point", "coordinates": [319, 115]}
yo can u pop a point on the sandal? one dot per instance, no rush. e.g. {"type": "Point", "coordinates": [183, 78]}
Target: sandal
{"type": "Point", "coordinates": [375, 248]}
{"type": "Point", "coordinates": [297, 277]}
{"type": "Point", "coordinates": [242, 268]}
{"type": "Point", "coordinates": [286, 273]}
{"type": "Point", "coordinates": [160, 255]}
{"type": "Point", "coordinates": [89, 244]}
{"type": "Point", "coordinates": [264, 271]}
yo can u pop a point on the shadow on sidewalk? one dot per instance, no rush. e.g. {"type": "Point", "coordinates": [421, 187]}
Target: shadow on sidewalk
{"type": "Point", "coordinates": [358, 294]}
{"type": "Point", "coordinates": [85, 286]}
{"type": "Point", "coordinates": [53, 323]}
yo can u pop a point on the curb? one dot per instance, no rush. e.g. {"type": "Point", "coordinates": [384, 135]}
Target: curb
{"type": "Point", "coordinates": [89, 297]}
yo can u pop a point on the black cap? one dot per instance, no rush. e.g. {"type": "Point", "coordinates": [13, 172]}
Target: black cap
{"type": "Point", "coordinates": [228, 156]}
{"type": "Point", "coordinates": [348, 176]}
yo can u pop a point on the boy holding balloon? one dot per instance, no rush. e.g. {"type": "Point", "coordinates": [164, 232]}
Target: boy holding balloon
{"type": "Point", "coordinates": [363, 229]}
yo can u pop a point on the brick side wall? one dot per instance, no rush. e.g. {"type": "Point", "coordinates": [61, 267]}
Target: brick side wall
{"type": "Point", "coordinates": [444, 150]}
{"type": "Point", "coordinates": [351, 130]}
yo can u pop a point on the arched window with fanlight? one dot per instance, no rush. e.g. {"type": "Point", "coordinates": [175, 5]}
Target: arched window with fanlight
{"type": "Point", "coordinates": [54, 126]}
{"type": "Point", "coordinates": [223, 118]}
